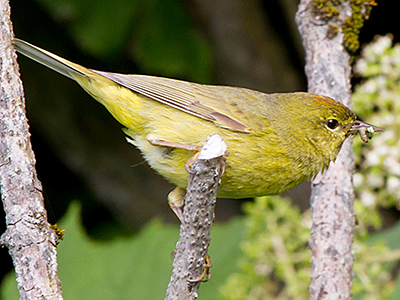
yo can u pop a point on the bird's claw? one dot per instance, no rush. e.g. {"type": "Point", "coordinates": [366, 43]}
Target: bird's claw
{"type": "Point", "coordinates": [205, 275]}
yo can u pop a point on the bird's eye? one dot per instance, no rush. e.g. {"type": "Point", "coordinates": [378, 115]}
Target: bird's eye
{"type": "Point", "coordinates": [332, 123]}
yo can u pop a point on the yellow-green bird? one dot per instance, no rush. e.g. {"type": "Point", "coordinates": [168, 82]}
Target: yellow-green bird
{"type": "Point", "coordinates": [275, 141]}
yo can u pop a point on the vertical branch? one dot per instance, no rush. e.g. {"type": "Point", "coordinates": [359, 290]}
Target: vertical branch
{"type": "Point", "coordinates": [328, 71]}
{"type": "Point", "coordinates": [198, 216]}
{"type": "Point", "coordinates": [29, 238]}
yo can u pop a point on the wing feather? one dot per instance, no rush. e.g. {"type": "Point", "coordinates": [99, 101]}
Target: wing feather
{"type": "Point", "coordinates": [196, 99]}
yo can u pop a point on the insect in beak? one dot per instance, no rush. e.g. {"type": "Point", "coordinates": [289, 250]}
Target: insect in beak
{"type": "Point", "coordinates": [365, 130]}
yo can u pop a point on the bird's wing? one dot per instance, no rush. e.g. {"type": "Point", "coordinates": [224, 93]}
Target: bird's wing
{"type": "Point", "coordinates": [211, 103]}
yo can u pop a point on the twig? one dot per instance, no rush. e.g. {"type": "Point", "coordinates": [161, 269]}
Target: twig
{"type": "Point", "coordinates": [198, 216]}
{"type": "Point", "coordinates": [328, 71]}
{"type": "Point", "coordinates": [29, 238]}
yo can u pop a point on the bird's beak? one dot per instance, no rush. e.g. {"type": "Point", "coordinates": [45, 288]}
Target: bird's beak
{"type": "Point", "coordinates": [357, 125]}
{"type": "Point", "coordinates": [365, 130]}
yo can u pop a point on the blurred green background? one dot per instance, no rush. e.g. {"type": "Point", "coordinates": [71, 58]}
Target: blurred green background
{"type": "Point", "coordinates": [82, 156]}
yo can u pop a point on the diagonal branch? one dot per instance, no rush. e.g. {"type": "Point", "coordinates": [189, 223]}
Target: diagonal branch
{"type": "Point", "coordinates": [198, 216]}
{"type": "Point", "coordinates": [29, 238]}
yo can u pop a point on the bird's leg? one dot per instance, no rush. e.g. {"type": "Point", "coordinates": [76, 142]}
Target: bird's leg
{"type": "Point", "coordinates": [176, 197]}
{"type": "Point", "coordinates": [188, 163]}
{"type": "Point", "coordinates": [176, 201]}
{"type": "Point", "coordinates": [162, 143]}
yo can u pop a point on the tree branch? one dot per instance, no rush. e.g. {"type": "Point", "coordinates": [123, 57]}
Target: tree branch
{"type": "Point", "coordinates": [29, 238]}
{"type": "Point", "coordinates": [198, 216]}
{"type": "Point", "coordinates": [328, 71]}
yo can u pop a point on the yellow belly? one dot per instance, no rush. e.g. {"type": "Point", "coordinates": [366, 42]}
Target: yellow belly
{"type": "Point", "coordinates": [248, 172]}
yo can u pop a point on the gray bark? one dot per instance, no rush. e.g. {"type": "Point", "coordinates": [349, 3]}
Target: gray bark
{"type": "Point", "coordinates": [328, 71]}
{"type": "Point", "coordinates": [198, 217]}
{"type": "Point", "coordinates": [29, 238]}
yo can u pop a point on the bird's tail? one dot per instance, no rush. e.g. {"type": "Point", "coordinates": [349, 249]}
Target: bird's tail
{"type": "Point", "coordinates": [50, 60]}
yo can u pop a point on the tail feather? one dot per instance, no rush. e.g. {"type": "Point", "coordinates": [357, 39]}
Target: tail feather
{"type": "Point", "coordinates": [49, 60]}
